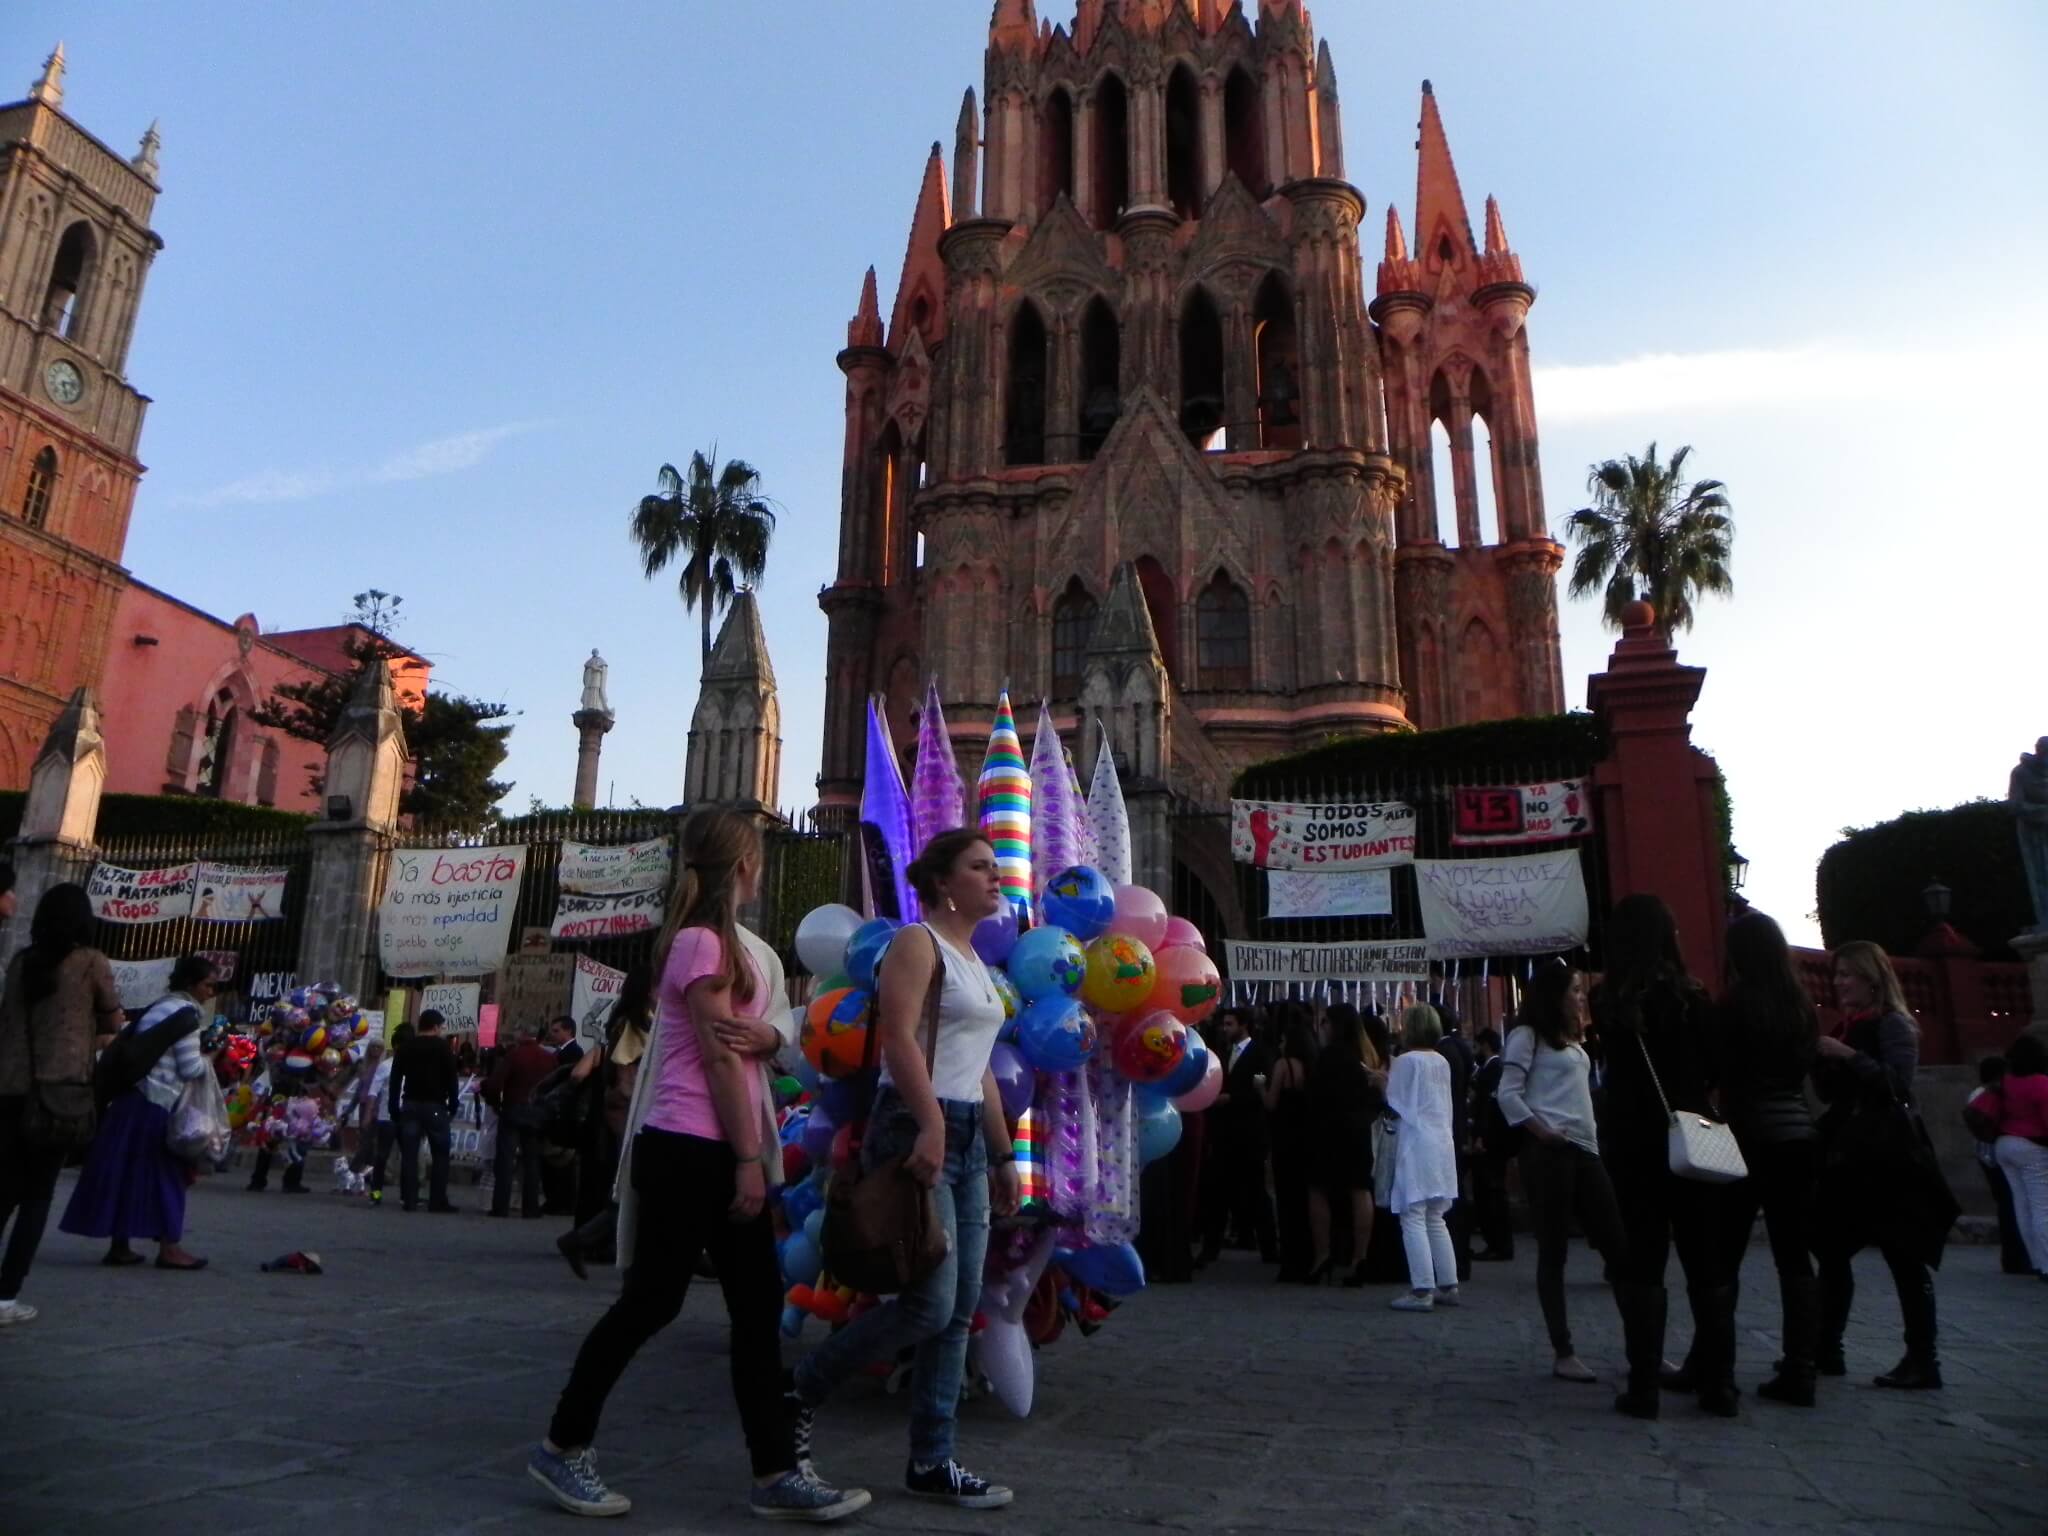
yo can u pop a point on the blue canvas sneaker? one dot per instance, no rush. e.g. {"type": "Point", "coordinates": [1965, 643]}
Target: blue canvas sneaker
{"type": "Point", "coordinates": [571, 1476]}
{"type": "Point", "coordinates": [951, 1483]}
{"type": "Point", "coordinates": [800, 1496]}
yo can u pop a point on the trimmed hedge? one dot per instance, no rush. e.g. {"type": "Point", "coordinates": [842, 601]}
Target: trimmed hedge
{"type": "Point", "coordinates": [1459, 749]}
{"type": "Point", "coordinates": [164, 816]}
{"type": "Point", "coordinates": [1869, 883]}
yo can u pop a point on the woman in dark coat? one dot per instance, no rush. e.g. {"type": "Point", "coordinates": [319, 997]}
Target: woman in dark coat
{"type": "Point", "coordinates": [1303, 1258]}
{"type": "Point", "coordinates": [1347, 1090]}
{"type": "Point", "coordinates": [1880, 1186]}
{"type": "Point", "coordinates": [1657, 1024]}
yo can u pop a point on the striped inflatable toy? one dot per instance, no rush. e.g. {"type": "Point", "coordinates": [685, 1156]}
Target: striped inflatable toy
{"type": "Point", "coordinates": [1005, 801]}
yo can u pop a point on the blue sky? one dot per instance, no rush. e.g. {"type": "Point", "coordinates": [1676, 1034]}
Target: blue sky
{"type": "Point", "coordinates": [444, 284]}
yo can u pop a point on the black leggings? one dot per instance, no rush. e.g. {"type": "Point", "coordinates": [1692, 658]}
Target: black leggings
{"type": "Point", "coordinates": [1781, 1185]}
{"type": "Point", "coordinates": [685, 1189]}
{"type": "Point", "coordinates": [28, 1180]}
{"type": "Point", "coordinates": [1563, 1181]}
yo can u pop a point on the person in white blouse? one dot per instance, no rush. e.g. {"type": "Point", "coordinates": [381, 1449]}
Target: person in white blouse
{"type": "Point", "coordinates": [1425, 1162]}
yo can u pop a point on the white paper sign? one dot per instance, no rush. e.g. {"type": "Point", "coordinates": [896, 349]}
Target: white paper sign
{"type": "Point", "coordinates": [236, 893]}
{"type": "Point", "coordinates": [591, 996]}
{"type": "Point", "coordinates": [1349, 893]}
{"type": "Point", "coordinates": [606, 917]}
{"type": "Point", "coordinates": [1532, 905]}
{"type": "Point", "coordinates": [448, 911]}
{"type": "Point", "coordinates": [141, 895]}
{"type": "Point", "coordinates": [594, 869]}
{"type": "Point", "coordinates": [1278, 835]}
{"type": "Point", "coordinates": [1385, 960]}
{"type": "Point", "coordinates": [138, 983]}
{"type": "Point", "coordinates": [458, 1001]}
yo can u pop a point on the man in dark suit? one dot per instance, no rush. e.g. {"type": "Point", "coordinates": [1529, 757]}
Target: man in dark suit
{"type": "Point", "coordinates": [1239, 1139]}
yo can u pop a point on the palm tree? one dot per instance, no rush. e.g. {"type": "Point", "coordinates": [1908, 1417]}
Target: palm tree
{"type": "Point", "coordinates": [717, 525]}
{"type": "Point", "coordinates": [1648, 535]}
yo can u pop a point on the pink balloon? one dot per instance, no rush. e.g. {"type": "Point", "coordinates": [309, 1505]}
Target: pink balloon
{"type": "Point", "coordinates": [1141, 915]}
{"type": "Point", "coordinates": [1182, 934]}
{"type": "Point", "coordinates": [1204, 1093]}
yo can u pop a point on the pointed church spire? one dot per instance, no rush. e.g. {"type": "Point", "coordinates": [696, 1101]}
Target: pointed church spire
{"type": "Point", "coordinates": [1329, 115]}
{"type": "Point", "coordinates": [866, 327]}
{"type": "Point", "coordinates": [145, 160]}
{"type": "Point", "coordinates": [1496, 231]}
{"type": "Point", "coordinates": [1397, 243]}
{"type": "Point", "coordinates": [1124, 626]}
{"type": "Point", "coordinates": [49, 87]}
{"type": "Point", "coordinates": [924, 271]}
{"type": "Point", "coordinates": [1440, 215]}
{"type": "Point", "coordinates": [966, 156]}
{"type": "Point", "coordinates": [1014, 23]}
{"type": "Point", "coordinates": [741, 654]}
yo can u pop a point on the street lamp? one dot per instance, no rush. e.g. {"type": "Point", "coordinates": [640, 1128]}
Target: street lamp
{"type": "Point", "coordinates": [1738, 870]}
{"type": "Point", "coordinates": [1935, 898]}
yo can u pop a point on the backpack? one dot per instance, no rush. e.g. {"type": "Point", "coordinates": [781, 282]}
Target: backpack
{"type": "Point", "coordinates": [135, 1051]}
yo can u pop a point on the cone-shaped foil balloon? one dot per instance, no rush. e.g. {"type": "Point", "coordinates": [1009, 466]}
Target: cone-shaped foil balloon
{"type": "Point", "coordinates": [940, 801]}
{"type": "Point", "coordinates": [1107, 818]}
{"type": "Point", "coordinates": [886, 832]}
{"type": "Point", "coordinates": [1006, 806]}
{"type": "Point", "coordinates": [1083, 827]}
{"type": "Point", "coordinates": [1055, 809]}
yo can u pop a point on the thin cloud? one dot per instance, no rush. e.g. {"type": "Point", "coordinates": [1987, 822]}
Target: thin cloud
{"type": "Point", "coordinates": [439, 456]}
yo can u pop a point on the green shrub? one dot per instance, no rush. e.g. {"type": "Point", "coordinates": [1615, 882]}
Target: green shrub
{"type": "Point", "coordinates": [165, 816]}
{"type": "Point", "coordinates": [1869, 884]}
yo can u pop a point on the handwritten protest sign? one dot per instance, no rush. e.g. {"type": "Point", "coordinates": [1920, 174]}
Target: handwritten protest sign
{"type": "Point", "coordinates": [122, 895]}
{"type": "Point", "coordinates": [457, 1001]}
{"type": "Point", "coordinates": [594, 869]}
{"type": "Point", "coordinates": [1395, 960]}
{"type": "Point", "coordinates": [607, 917]}
{"type": "Point", "coordinates": [138, 983]}
{"type": "Point", "coordinates": [448, 912]}
{"type": "Point", "coordinates": [1532, 905]}
{"type": "Point", "coordinates": [591, 997]}
{"type": "Point", "coordinates": [1521, 813]}
{"type": "Point", "coordinates": [235, 893]}
{"type": "Point", "coordinates": [1276, 835]}
{"type": "Point", "coordinates": [1348, 893]}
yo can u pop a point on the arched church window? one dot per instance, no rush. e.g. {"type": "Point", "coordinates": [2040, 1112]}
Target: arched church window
{"type": "Point", "coordinates": [889, 498]}
{"type": "Point", "coordinates": [217, 746]}
{"type": "Point", "coordinates": [1024, 413]}
{"type": "Point", "coordinates": [42, 480]}
{"type": "Point", "coordinates": [1073, 620]}
{"type": "Point", "coordinates": [1201, 371]}
{"type": "Point", "coordinates": [1056, 141]}
{"type": "Point", "coordinates": [70, 277]}
{"type": "Point", "coordinates": [1101, 376]}
{"type": "Point", "coordinates": [1112, 151]}
{"type": "Point", "coordinates": [1223, 635]}
{"type": "Point", "coordinates": [1279, 364]}
{"type": "Point", "coordinates": [1485, 467]}
{"type": "Point", "coordinates": [1244, 132]}
{"type": "Point", "coordinates": [1443, 512]}
{"type": "Point", "coordinates": [1183, 143]}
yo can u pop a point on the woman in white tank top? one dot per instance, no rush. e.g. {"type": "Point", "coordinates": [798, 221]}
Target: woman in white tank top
{"type": "Point", "coordinates": [950, 1122]}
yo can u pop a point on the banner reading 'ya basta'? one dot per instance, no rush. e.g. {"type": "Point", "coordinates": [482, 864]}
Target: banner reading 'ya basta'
{"type": "Point", "coordinates": [448, 911]}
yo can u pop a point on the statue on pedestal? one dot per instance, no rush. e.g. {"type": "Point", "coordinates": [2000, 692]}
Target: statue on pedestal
{"type": "Point", "coordinates": [2027, 794]}
{"type": "Point", "coordinates": [594, 671]}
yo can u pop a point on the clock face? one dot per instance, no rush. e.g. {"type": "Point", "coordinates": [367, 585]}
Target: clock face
{"type": "Point", "coordinates": [64, 382]}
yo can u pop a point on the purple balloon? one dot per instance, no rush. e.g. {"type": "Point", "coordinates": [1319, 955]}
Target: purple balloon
{"type": "Point", "coordinates": [818, 1134]}
{"type": "Point", "coordinates": [1015, 1079]}
{"type": "Point", "coordinates": [995, 937]}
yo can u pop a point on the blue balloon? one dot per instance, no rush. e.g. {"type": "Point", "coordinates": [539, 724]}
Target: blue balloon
{"type": "Point", "coordinates": [1113, 1268]}
{"type": "Point", "coordinates": [864, 950]}
{"type": "Point", "coordinates": [792, 1321]}
{"type": "Point", "coordinates": [1056, 1034]}
{"type": "Point", "coordinates": [1186, 1077]}
{"type": "Point", "coordinates": [994, 937]}
{"type": "Point", "coordinates": [1047, 962]}
{"type": "Point", "coordinates": [818, 1135]}
{"type": "Point", "coordinates": [1158, 1133]}
{"type": "Point", "coordinates": [802, 1070]}
{"type": "Point", "coordinates": [847, 1099]}
{"type": "Point", "coordinates": [801, 1201]}
{"type": "Point", "coordinates": [794, 1123]}
{"type": "Point", "coordinates": [814, 1227]}
{"type": "Point", "coordinates": [1015, 1080]}
{"type": "Point", "coordinates": [801, 1263]}
{"type": "Point", "coordinates": [1080, 900]}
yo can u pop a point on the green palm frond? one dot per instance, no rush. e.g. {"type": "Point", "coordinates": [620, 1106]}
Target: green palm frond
{"type": "Point", "coordinates": [1649, 535]}
{"type": "Point", "coordinates": [715, 523]}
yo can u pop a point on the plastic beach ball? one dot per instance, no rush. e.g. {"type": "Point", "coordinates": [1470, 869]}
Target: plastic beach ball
{"type": "Point", "coordinates": [1006, 990]}
{"type": "Point", "coordinates": [1148, 1050]}
{"type": "Point", "coordinates": [835, 1032]}
{"type": "Point", "coordinates": [1189, 985]}
{"type": "Point", "coordinates": [822, 937]}
{"type": "Point", "coordinates": [1121, 973]}
{"type": "Point", "coordinates": [1056, 1034]}
{"type": "Point", "coordinates": [865, 949]}
{"type": "Point", "coordinates": [1080, 900]}
{"type": "Point", "coordinates": [1047, 962]}
{"type": "Point", "coordinates": [1141, 914]}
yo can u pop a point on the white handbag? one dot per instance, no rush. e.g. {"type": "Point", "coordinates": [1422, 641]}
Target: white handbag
{"type": "Point", "coordinates": [1699, 1148]}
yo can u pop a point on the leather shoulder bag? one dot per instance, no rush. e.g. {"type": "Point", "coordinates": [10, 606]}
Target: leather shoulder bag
{"type": "Point", "coordinates": [1700, 1149]}
{"type": "Point", "coordinates": [58, 1117]}
{"type": "Point", "coordinates": [882, 1232]}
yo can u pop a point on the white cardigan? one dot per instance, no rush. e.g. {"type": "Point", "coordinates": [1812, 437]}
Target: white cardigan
{"type": "Point", "coordinates": [1425, 1156]}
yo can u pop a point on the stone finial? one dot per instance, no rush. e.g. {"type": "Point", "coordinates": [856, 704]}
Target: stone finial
{"type": "Point", "coordinates": [1329, 115]}
{"type": "Point", "coordinates": [49, 87]}
{"type": "Point", "coordinates": [145, 160]}
{"type": "Point", "coordinates": [1440, 211]}
{"type": "Point", "coordinates": [1124, 626]}
{"type": "Point", "coordinates": [865, 329]}
{"type": "Point", "coordinates": [64, 785]}
{"type": "Point", "coordinates": [1496, 231]}
{"type": "Point", "coordinates": [367, 754]}
{"type": "Point", "coordinates": [966, 156]}
{"type": "Point", "coordinates": [741, 653]}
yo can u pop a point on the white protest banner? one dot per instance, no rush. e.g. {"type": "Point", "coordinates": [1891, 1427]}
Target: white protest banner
{"type": "Point", "coordinates": [1532, 905]}
{"type": "Point", "coordinates": [138, 983]}
{"type": "Point", "coordinates": [591, 996]}
{"type": "Point", "coordinates": [1379, 960]}
{"type": "Point", "coordinates": [448, 912]}
{"type": "Point", "coordinates": [595, 869]}
{"type": "Point", "coordinates": [1275, 835]}
{"type": "Point", "coordinates": [458, 1002]}
{"type": "Point", "coordinates": [236, 893]}
{"type": "Point", "coordinates": [141, 895]}
{"type": "Point", "coordinates": [1348, 893]}
{"type": "Point", "coordinates": [1521, 813]}
{"type": "Point", "coordinates": [607, 917]}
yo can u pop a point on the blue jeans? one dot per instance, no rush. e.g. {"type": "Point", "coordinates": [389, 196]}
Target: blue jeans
{"type": "Point", "coordinates": [935, 1314]}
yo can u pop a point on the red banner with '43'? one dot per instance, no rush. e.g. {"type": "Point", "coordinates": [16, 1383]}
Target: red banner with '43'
{"type": "Point", "coordinates": [1521, 813]}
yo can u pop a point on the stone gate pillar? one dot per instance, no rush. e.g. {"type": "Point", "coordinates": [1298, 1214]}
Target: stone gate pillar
{"type": "Point", "coordinates": [366, 759]}
{"type": "Point", "coordinates": [1655, 789]}
{"type": "Point", "coordinates": [59, 819]}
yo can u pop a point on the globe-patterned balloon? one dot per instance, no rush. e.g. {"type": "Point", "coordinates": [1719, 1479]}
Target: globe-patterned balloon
{"type": "Point", "coordinates": [1006, 989]}
{"type": "Point", "coordinates": [1189, 986]}
{"type": "Point", "coordinates": [1148, 1050]}
{"type": "Point", "coordinates": [1120, 975]}
{"type": "Point", "coordinates": [835, 1032]}
{"type": "Point", "coordinates": [1080, 900]}
{"type": "Point", "coordinates": [1056, 1034]}
{"type": "Point", "coordinates": [1047, 962]}
{"type": "Point", "coordinates": [864, 950]}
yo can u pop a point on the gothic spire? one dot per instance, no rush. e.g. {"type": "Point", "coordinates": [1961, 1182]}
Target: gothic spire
{"type": "Point", "coordinates": [145, 160]}
{"type": "Point", "coordinates": [1124, 626]}
{"type": "Point", "coordinates": [1397, 243]}
{"type": "Point", "coordinates": [49, 87]}
{"type": "Point", "coordinates": [1013, 24]}
{"type": "Point", "coordinates": [1440, 216]}
{"type": "Point", "coordinates": [1496, 231]}
{"type": "Point", "coordinates": [866, 327]}
{"type": "Point", "coordinates": [966, 156]}
{"type": "Point", "coordinates": [741, 654]}
{"type": "Point", "coordinates": [924, 270]}
{"type": "Point", "coordinates": [1329, 114]}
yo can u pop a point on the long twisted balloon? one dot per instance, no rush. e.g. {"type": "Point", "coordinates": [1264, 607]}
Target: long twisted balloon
{"type": "Point", "coordinates": [1107, 815]}
{"type": "Point", "coordinates": [1055, 809]}
{"type": "Point", "coordinates": [939, 800]}
{"type": "Point", "coordinates": [1006, 806]}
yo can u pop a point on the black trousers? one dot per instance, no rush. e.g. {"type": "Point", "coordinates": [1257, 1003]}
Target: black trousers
{"type": "Point", "coordinates": [375, 1154]}
{"type": "Point", "coordinates": [685, 1188]}
{"type": "Point", "coordinates": [1242, 1174]}
{"type": "Point", "coordinates": [1290, 1190]}
{"type": "Point", "coordinates": [1564, 1182]}
{"type": "Point", "coordinates": [1661, 1212]}
{"type": "Point", "coordinates": [1781, 1182]}
{"type": "Point", "coordinates": [518, 1149]}
{"type": "Point", "coordinates": [28, 1181]}
{"type": "Point", "coordinates": [1910, 1278]}
{"type": "Point", "coordinates": [1490, 1203]}
{"type": "Point", "coordinates": [294, 1168]}
{"type": "Point", "coordinates": [429, 1122]}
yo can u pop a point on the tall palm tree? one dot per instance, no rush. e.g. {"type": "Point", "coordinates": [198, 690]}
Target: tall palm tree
{"type": "Point", "coordinates": [1649, 535]}
{"type": "Point", "coordinates": [717, 525]}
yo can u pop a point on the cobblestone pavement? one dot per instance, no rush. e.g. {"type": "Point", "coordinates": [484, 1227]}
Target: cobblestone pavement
{"type": "Point", "coordinates": [398, 1393]}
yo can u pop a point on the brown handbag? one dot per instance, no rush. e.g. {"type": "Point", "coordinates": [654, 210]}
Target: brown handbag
{"type": "Point", "coordinates": [58, 1117]}
{"type": "Point", "coordinates": [882, 1232]}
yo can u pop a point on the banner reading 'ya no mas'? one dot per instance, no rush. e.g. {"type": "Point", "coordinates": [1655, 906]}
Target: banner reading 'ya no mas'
{"type": "Point", "coordinates": [448, 911]}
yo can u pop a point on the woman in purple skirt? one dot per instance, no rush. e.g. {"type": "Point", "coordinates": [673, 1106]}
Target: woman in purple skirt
{"type": "Point", "coordinates": [133, 1185]}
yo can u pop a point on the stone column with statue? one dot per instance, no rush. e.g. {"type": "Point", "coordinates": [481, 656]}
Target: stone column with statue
{"type": "Point", "coordinates": [366, 762]}
{"type": "Point", "coordinates": [60, 817]}
{"type": "Point", "coordinates": [2027, 795]}
{"type": "Point", "coordinates": [593, 718]}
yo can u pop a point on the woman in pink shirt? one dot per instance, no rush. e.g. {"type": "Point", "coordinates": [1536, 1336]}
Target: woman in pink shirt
{"type": "Point", "coordinates": [701, 1153]}
{"type": "Point", "coordinates": [2021, 1106]}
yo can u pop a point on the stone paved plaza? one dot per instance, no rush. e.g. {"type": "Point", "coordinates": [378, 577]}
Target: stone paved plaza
{"type": "Point", "coordinates": [396, 1395]}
